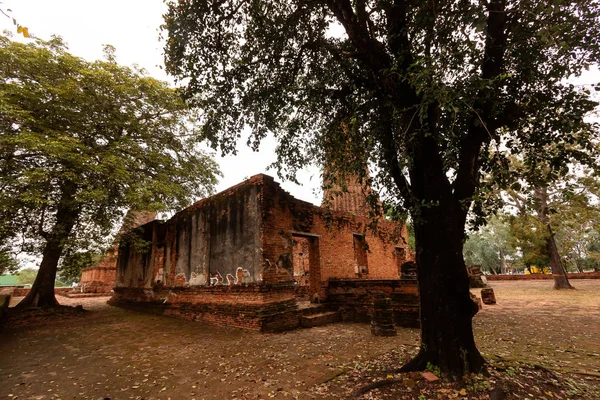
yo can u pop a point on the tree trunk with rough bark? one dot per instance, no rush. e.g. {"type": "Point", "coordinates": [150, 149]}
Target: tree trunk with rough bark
{"type": "Point", "coordinates": [446, 308]}
{"type": "Point", "coordinates": [42, 291]}
{"type": "Point", "coordinates": [559, 273]}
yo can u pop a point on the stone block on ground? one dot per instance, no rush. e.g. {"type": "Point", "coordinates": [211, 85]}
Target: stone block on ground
{"type": "Point", "coordinates": [476, 278]}
{"type": "Point", "coordinates": [488, 296]}
{"type": "Point", "coordinates": [309, 321]}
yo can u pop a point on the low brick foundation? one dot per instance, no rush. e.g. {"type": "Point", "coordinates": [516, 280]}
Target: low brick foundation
{"type": "Point", "coordinates": [78, 295]}
{"type": "Point", "coordinates": [22, 292]}
{"type": "Point", "coordinates": [263, 308]}
{"type": "Point", "coordinates": [354, 299]}
{"type": "Point", "coordinates": [528, 277]}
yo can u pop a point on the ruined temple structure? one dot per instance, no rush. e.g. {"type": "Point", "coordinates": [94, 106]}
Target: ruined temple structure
{"type": "Point", "coordinates": [247, 257]}
{"type": "Point", "coordinates": [351, 198]}
{"type": "Point", "coordinates": [476, 278]}
{"type": "Point", "coordinates": [100, 278]}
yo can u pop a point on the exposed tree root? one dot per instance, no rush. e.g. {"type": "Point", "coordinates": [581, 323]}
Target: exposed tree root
{"type": "Point", "coordinates": [35, 300]}
{"type": "Point", "coordinates": [422, 359]}
{"type": "Point", "coordinates": [418, 363]}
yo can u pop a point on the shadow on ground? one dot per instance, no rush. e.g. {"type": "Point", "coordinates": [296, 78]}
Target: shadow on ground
{"type": "Point", "coordinates": [107, 352]}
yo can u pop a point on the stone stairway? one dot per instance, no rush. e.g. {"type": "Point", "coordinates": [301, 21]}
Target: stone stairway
{"type": "Point", "coordinates": [317, 315]}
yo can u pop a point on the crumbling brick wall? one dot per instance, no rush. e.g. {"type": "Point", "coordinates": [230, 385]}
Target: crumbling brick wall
{"type": "Point", "coordinates": [354, 299]}
{"type": "Point", "coordinates": [284, 218]}
{"type": "Point", "coordinates": [215, 241]}
{"type": "Point", "coordinates": [100, 278]}
{"type": "Point", "coordinates": [242, 241]}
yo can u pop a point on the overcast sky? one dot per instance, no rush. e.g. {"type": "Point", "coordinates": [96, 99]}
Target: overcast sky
{"type": "Point", "coordinates": [132, 26]}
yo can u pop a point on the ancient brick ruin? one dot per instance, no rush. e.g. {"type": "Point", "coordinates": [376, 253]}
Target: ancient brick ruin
{"type": "Point", "coordinates": [100, 278]}
{"type": "Point", "coordinates": [247, 256]}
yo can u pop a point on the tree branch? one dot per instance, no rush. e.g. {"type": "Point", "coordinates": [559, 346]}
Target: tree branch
{"type": "Point", "coordinates": [370, 51]}
{"type": "Point", "coordinates": [492, 66]}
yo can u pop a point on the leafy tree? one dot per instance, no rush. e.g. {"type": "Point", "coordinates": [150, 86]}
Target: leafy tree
{"type": "Point", "coordinates": [529, 236]}
{"type": "Point", "coordinates": [593, 258]}
{"type": "Point", "coordinates": [73, 262]}
{"type": "Point", "coordinates": [8, 263]}
{"type": "Point", "coordinates": [556, 217]}
{"type": "Point", "coordinates": [490, 247]}
{"type": "Point", "coordinates": [27, 276]}
{"type": "Point", "coordinates": [479, 251]}
{"type": "Point", "coordinates": [541, 246]}
{"type": "Point", "coordinates": [421, 90]}
{"type": "Point", "coordinates": [81, 142]}
{"type": "Point", "coordinates": [576, 217]}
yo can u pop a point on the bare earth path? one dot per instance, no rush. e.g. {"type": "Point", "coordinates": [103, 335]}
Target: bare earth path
{"type": "Point", "coordinates": [112, 353]}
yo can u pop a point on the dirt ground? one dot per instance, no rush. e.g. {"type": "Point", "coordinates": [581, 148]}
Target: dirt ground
{"type": "Point", "coordinates": [108, 352]}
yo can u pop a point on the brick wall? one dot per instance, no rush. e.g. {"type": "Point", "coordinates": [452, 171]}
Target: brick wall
{"type": "Point", "coordinates": [224, 259]}
{"type": "Point", "coordinates": [18, 292]}
{"type": "Point", "coordinates": [354, 299]}
{"type": "Point", "coordinates": [99, 279]}
{"type": "Point", "coordinates": [254, 307]}
{"type": "Point", "coordinates": [215, 241]}
{"type": "Point", "coordinates": [284, 218]}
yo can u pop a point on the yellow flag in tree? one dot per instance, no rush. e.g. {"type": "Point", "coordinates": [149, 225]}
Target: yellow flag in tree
{"type": "Point", "coordinates": [26, 32]}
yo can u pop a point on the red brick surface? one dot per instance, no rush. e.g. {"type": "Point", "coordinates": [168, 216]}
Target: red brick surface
{"type": "Point", "coordinates": [257, 222]}
{"type": "Point", "coordinates": [19, 292]}
{"type": "Point", "coordinates": [355, 298]}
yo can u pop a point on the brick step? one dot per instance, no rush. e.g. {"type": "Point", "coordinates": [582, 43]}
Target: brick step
{"type": "Point", "coordinates": [329, 317]}
{"type": "Point", "coordinates": [311, 308]}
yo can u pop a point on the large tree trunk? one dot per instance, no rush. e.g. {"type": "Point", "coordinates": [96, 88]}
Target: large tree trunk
{"type": "Point", "coordinates": [559, 273]}
{"type": "Point", "coordinates": [446, 308]}
{"type": "Point", "coordinates": [42, 291]}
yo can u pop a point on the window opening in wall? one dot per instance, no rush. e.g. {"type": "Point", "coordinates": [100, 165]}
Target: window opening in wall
{"type": "Point", "coordinates": [360, 254]}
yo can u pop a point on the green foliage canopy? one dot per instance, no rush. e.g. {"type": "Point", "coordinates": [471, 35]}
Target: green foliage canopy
{"type": "Point", "coordinates": [491, 246]}
{"type": "Point", "coordinates": [330, 78]}
{"type": "Point", "coordinates": [26, 276]}
{"type": "Point", "coordinates": [94, 138]}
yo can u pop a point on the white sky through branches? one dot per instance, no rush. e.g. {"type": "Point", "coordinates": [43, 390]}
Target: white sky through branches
{"type": "Point", "coordinates": [132, 27]}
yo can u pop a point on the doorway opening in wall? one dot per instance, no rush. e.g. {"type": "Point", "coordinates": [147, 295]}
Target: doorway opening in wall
{"type": "Point", "coordinates": [301, 261]}
{"type": "Point", "coordinates": [361, 266]}
{"type": "Point", "coordinates": [307, 265]}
